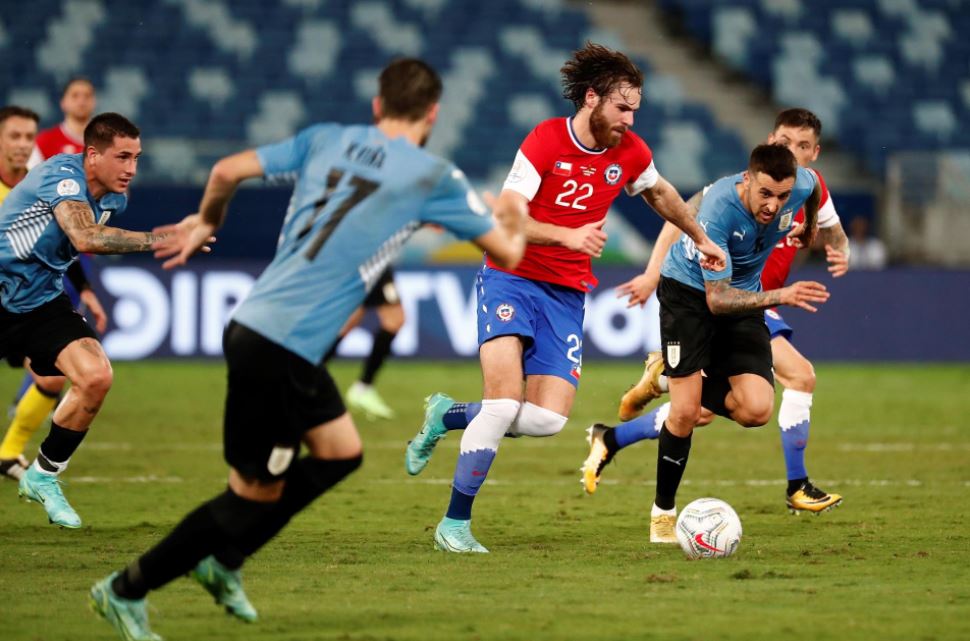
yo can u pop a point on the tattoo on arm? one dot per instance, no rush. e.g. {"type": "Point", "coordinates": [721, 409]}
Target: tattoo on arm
{"type": "Point", "coordinates": [834, 236]}
{"type": "Point", "coordinates": [694, 203]}
{"type": "Point", "coordinates": [77, 221]}
{"type": "Point", "coordinates": [724, 299]}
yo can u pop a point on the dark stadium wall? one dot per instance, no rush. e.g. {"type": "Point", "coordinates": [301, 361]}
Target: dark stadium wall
{"type": "Point", "coordinates": [892, 315]}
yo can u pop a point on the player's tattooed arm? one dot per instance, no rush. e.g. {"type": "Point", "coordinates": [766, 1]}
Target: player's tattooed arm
{"type": "Point", "coordinates": [77, 221]}
{"type": "Point", "coordinates": [836, 245]}
{"type": "Point", "coordinates": [694, 203]}
{"type": "Point", "coordinates": [724, 299]}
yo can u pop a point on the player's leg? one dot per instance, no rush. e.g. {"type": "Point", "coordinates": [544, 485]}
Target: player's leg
{"type": "Point", "coordinates": [362, 394]}
{"type": "Point", "coordinates": [797, 376]}
{"type": "Point", "coordinates": [33, 408]}
{"type": "Point", "coordinates": [501, 360]}
{"type": "Point", "coordinates": [59, 341]}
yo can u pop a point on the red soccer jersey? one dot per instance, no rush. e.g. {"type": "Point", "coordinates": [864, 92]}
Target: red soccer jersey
{"type": "Point", "coordinates": [571, 185]}
{"type": "Point", "coordinates": [57, 140]}
{"type": "Point", "coordinates": [776, 270]}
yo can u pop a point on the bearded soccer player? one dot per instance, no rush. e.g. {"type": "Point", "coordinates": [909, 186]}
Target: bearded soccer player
{"type": "Point", "coordinates": [361, 192]}
{"type": "Point", "coordinates": [799, 130]}
{"type": "Point", "coordinates": [57, 211]}
{"type": "Point", "coordinates": [530, 320]}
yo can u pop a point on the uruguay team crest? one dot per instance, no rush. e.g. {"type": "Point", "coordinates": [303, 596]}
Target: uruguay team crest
{"type": "Point", "coordinates": [673, 354]}
{"type": "Point", "coordinates": [613, 174]}
{"type": "Point", "coordinates": [505, 312]}
{"type": "Point", "coordinates": [785, 221]}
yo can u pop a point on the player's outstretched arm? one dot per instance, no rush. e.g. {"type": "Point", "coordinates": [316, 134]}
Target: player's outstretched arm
{"type": "Point", "coordinates": [505, 244]}
{"type": "Point", "coordinates": [77, 221]}
{"type": "Point", "coordinates": [195, 231]}
{"type": "Point", "coordinates": [724, 299]}
{"type": "Point", "coordinates": [665, 200]}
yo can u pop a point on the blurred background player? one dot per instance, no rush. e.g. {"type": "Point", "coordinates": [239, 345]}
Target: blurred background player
{"type": "Point", "coordinates": [78, 102]}
{"type": "Point", "coordinates": [57, 211]}
{"type": "Point", "coordinates": [386, 303]}
{"type": "Point", "coordinates": [800, 130]}
{"type": "Point", "coordinates": [361, 192]}
{"type": "Point", "coordinates": [567, 172]}
{"type": "Point", "coordinates": [37, 395]}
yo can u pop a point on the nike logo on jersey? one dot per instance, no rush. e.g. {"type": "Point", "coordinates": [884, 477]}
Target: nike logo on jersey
{"type": "Point", "coordinates": [740, 234]}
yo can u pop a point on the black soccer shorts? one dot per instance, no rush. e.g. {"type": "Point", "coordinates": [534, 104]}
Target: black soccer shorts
{"type": "Point", "coordinates": [694, 339]}
{"type": "Point", "coordinates": [41, 334]}
{"type": "Point", "coordinates": [273, 398]}
{"type": "Point", "coordinates": [384, 291]}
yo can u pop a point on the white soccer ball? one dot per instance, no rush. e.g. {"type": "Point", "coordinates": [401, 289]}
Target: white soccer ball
{"type": "Point", "coordinates": [708, 529]}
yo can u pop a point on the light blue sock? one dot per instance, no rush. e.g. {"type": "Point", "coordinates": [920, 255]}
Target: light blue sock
{"type": "Point", "coordinates": [642, 427]}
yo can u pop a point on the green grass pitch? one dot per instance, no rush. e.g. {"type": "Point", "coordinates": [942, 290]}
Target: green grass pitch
{"type": "Point", "coordinates": [892, 563]}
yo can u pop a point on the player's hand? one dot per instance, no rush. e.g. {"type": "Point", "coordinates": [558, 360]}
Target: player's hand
{"type": "Point", "coordinates": [639, 289]}
{"type": "Point", "coordinates": [803, 293]}
{"type": "Point", "coordinates": [801, 236]}
{"type": "Point", "coordinates": [589, 239]}
{"type": "Point", "coordinates": [712, 256]}
{"type": "Point", "coordinates": [90, 301]}
{"type": "Point", "coordinates": [180, 241]}
{"type": "Point", "coordinates": [838, 261]}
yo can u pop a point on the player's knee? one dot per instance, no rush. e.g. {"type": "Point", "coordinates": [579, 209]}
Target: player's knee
{"type": "Point", "coordinates": [754, 414]}
{"type": "Point", "coordinates": [706, 416]}
{"type": "Point", "coordinates": [534, 420]}
{"type": "Point", "coordinates": [324, 473]}
{"type": "Point", "coordinates": [236, 514]}
{"type": "Point", "coordinates": [95, 381]}
{"type": "Point", "coordinates": [682, 421]}
{"type": "Point", "coordinates": [801, 378]}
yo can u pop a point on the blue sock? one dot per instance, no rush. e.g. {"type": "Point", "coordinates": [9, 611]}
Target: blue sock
{"type": "Point", "coordinates": [460, 415]}
{"type": "Point", "coordinates": [793, 441]}
{"type": "Point", "coordinates": [642, 427]}
{"type": "Point", "coordinates": [24, 386]}
{"type": "Point", "coordinates": [470, 473]}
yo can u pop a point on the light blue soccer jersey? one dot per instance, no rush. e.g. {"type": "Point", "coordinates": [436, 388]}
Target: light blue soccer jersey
{"type": "Point", "coordinates": [34, 250]}
{"type": "Point", "coordinates": [745, 242]}
{"type": "Point", "coordinates": [358, 197]}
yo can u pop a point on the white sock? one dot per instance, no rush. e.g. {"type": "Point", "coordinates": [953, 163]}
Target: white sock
{"type": "Point", "coordinates": [656, 511]}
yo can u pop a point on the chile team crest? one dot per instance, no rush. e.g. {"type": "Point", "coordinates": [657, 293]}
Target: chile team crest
{"type": "Point", "coordinates": [613, 174]}
{"type": "Point", "coordinates": [505, 312]}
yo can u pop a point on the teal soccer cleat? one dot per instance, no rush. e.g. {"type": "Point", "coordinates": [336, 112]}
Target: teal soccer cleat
{"type": "Point", "coordinates": [127, 616]}
{"type": "Point", "coordinates": [453, 535]}
{"type": "Point", "coordinates": [225, 586]}
{"type": "Point", "coordinates": [46, 490]}
{"type": "Point", "coordinates": [422, 445]}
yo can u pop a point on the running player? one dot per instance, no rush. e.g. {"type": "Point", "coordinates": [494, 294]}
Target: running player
{"type": "Point", "coordinates": [800, 130]}
{"type": "Point", "coordinates": [57, 211]}
{"type": "Point", "coordinates": [361, 192]}
{"type": "Point", "coordinates": [530, 321]}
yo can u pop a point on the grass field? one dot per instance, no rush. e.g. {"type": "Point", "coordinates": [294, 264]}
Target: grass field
{"type": "Point", "coordinates": [892, 563]}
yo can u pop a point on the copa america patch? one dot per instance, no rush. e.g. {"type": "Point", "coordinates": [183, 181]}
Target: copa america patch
{"type": "Point", "coordinates": [68, 187]}
{"type": "Point", "coordinates": [673, 354]}
{"type": "Point", "coordinates": [613, 174]}
{"type": "Point", "coordinates": [505, 312]}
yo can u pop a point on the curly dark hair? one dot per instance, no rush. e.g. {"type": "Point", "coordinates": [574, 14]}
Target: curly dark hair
{"type": "Point", "coordinates": [598, 68]}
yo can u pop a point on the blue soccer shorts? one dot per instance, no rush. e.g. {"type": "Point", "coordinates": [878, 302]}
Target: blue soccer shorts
{"type": "Point", "coordinates": [777, 325]}
{"type": "Point", "coordinates": [548, 317]}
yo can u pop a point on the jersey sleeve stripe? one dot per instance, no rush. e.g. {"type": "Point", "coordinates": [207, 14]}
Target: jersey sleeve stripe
{"type": "Point", "coordinates": [523, 177]}
{"type": "Point", "coordinates": [646, 180]}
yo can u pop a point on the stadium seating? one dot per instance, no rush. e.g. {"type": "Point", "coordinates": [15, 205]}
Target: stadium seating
{"type": "Point", "coordinates": [205, 77]}
{"type": "Point", "coordinates": [884, 75]}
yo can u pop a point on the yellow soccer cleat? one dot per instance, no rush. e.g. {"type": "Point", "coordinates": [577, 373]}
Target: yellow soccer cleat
{"type": "Point", "coordinates": [647, 389]}
{"type": "Point", "coordinates": [809, 498]}
{"type": "Point", "coordinates": [662, 528]}
{"type": "Point", "coordinates": [598, 458]}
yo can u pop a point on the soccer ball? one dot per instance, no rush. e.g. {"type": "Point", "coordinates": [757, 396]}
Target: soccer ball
{"type": "Point", "coordinates": [708, 529]}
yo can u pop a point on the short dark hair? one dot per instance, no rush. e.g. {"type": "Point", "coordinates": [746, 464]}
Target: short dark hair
{"type": "Point", "coordinates": [775, 160]}
{"type": "Point", "coordinates": [409, 87]}
{"type": "Point", "coordinates": [597, 67]}
{"type": "Point", "coordinates": [75, 79]}
{"type": "Point", "coordinates": [104, 128]}
{"type": "Point", "coordinates": [11, 111]}
{"type": "Point", "coordinates": [799, 118]}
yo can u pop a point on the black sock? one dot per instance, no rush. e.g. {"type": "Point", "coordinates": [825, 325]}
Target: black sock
{"type": "Point", "coordinates": [378, 354]}
{"type": "Point", "coordinates": [672, 456]}
{"type": "Point", "coordinates": [306, 479]}
{"type": "Point", "coordinates": [795, 484]}
{"type": "Point", "coordinates": [210, 527]}
{"type": "Point", "coordinates": [609, 440]}
{"type": "Point", "coordinates": [58, 447]}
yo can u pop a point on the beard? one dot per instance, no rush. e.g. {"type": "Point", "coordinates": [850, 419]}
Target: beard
{"type": "Point", "coordinates": [604, 135]}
